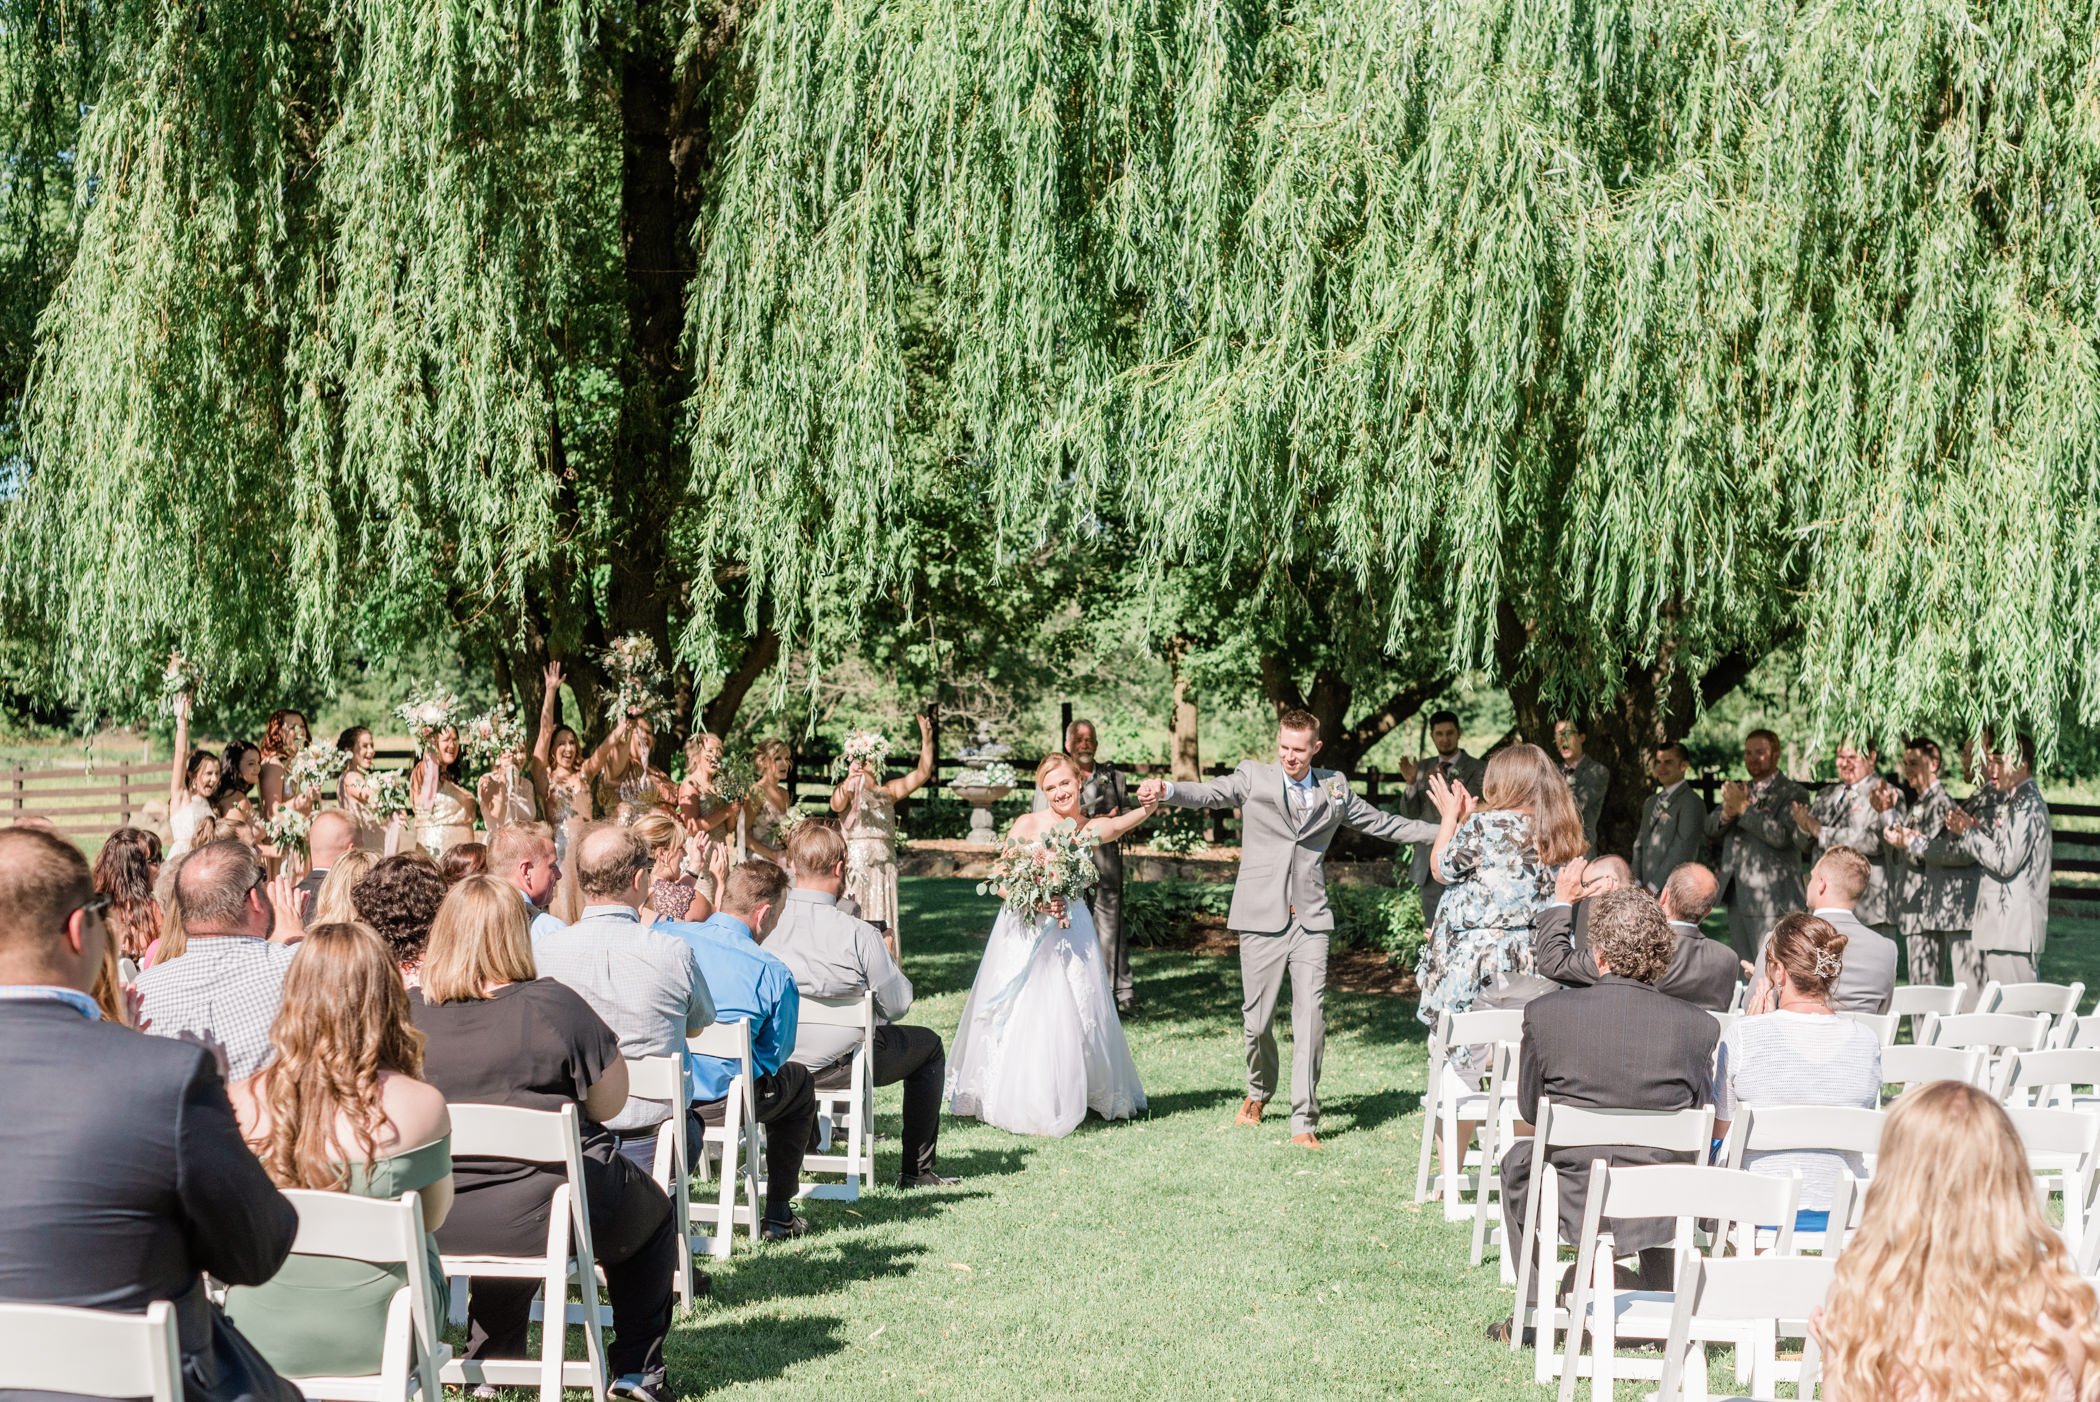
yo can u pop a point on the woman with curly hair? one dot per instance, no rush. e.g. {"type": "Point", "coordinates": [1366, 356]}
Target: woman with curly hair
{"type": "Point", "coordinates": [340, 1109]}
{"type": "Point", "coordinates": [285, 733]}
{"type": "Point", "coordinates": [399, 900]}
{"type": "Point", "coordinates": [1955, 1288]}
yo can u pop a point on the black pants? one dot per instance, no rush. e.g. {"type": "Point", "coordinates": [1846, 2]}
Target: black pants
{"type": "Point", "coordinates": [1651, 1237]}
{"type": "Point", "coordinates": [1106, 901]}
{"type": "Point", "coordinates": [631, 1237]}
{"type": "Point", "coordinates": [915, 1056]}
{"type": "Point", "coordinates": [787, 1107]}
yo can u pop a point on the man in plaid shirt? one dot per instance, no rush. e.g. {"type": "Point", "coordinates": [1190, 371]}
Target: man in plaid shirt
{"type": "Point", "coordinates": [227, 985]}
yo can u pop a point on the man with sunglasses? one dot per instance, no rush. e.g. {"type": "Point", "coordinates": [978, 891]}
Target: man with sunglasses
{"type": "Point", "coordinates": [226, 988]}
{"type": "Point", "coordinates": [127, 1177]}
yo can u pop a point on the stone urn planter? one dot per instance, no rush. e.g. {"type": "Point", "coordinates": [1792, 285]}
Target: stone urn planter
{"type": "Point", "coordinates": [982, 830]}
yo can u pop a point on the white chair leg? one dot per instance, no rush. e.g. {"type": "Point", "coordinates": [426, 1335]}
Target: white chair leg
{"type": "Point", "coordinates": [1430, 1120]}
{"type": "Point", "coordinates": [553, 1332]}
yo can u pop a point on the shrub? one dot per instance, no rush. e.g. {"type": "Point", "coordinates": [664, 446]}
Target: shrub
{"type": "Point", "coordinates": [1163, 912]}
{"type": "Point", "coordinates": [1385, 918]}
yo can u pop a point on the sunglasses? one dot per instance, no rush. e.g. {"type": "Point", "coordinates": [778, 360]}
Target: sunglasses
{"type": "Point", "coordinates": [93, 905]}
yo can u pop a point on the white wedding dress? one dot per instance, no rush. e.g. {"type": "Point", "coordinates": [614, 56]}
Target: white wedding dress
{"type": "Point", "coordinates": [1040, 1043]}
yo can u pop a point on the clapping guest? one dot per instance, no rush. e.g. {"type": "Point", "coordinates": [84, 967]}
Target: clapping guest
{"type": "Point", "coordinates": [330, 837]}
{"type": "Point", "coordinates": [1588, 780]}
{"type": "Point", "coordinates": [1955, 1286]}
{"type": "Point", "coordinates": [1702, 972]}
{"type": "Point", "coordinates": [339, 1109]}
{"type": "Point", "coordinates": [671, 892]}
{"type": "Point", "coordinates": [463, 860]}
{"type": "Point", "coordinates": [128, 1179]}
{"type": "Point", "coordinates": [399, 899]}
{"type": "Point", "coordinates": [1454, 767]}
{"type": "Point", "coordinates": [284, 735]}
{"type": "Point", "coordinates": [496, 1034]}
{"type": "Point", "coordinates": [1793, 1049]}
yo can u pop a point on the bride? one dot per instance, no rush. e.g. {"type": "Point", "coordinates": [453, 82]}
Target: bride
{"type": "Point", "coordinates": [1039, 1043]}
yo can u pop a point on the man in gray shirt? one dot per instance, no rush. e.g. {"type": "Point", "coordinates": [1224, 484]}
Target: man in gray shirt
{"type": "Point", "coordinates": [836, 955]}
{"type": "Point", "coordinates": [641, 980]}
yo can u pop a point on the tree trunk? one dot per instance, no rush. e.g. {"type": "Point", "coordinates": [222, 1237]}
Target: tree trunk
{"type": "Point", "coordinates": [1184, 761]}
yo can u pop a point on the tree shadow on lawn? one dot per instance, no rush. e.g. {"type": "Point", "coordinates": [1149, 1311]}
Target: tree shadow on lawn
{"type": "Point", "coordinates": [837, 1254]}
{"type": "Point", "coordinates": [705, 1358]}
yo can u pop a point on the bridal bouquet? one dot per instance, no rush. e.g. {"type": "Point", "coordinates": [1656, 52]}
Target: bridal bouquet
{"type": "Point", "coordinates": [871, 747]}
{"type": "Point", "coordinates": [493, 734]}
{"type": "Point", "coordinates": [1059, 865]}
{"type": "Point", "coordinates": [313, 767]}
{"type": "Point", "coordinates": [638, 680]}
{"type": "Point", "coordinates": [986, 774]}
{"type": "Point", "coordinates": [390, 795]}
{"type": "Point", "coordinates": [787, 822]}
{"type": "Point", "coordinates": [428, 710]}
{"type": "Point", "coordinates": [735, 776]}
{"type": "Point", "coordinates": [287, 828]}
{"type": "Point", "coordinates": [183, 678]}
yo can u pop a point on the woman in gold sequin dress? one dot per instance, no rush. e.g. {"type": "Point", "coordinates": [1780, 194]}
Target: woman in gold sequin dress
{"type": "Point", "coordinates": [868, 806]}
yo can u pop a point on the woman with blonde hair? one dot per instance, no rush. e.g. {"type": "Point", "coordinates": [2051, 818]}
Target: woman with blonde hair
{"type": "Point", "coordinates": [500, 1035]}
{"type": "Point", "coordinates": [340, 1109]}
{"type": "Point", "coordinates": [769, 799]}
{"type": "Point", "coordinates": [1955, 1288]}
{"type": "Point", "coordinates": [1496, 857]}
{"type": "Point", "coordinates": [674, 893]}
{"type": "Point", "coordinates": [333, 904]}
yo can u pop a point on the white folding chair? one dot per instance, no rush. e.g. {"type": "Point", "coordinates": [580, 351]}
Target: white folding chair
{"type": "Point", "coordinates": [1916, 1000]}
{"type": "Point", "coordinates": [2061, 1145]}
{"type": "Point", "coordinates": [382, 1232]}
{"type": "Point", "coordinates": [735, 1142]}
{"type": "Point", "coordinates": [1842, 1129]}
{"type": "Point", "coordinates": [2075, 1031]}
{"type": "Point", "coordinates": [1687, 1132]}
{"type": "Point", "coordinates": [535, 1136]}
{"type": "Point", "coordinates": [1497, 1132]}
{"type": "Point", "coordinates": [1996, 1034]}
{"type": "Point", "coordinates": [1740, 998]}
{"type": "Point", "coordinates": [91, 1353]}
{"type": "Point", "coordinates": [2058, 1000]}
{"type": "Point", "coordinates": [1727, 1020]}
{"type": "Point", "coordinates": [1773, 1295]}
{"type": "Point", "coordinates": [851, 1109]}
{"type": "Point", "coordinates": [1907, 1066]}
{"type": "Point", "coordinates": [2048, 1079]}
{"type": "Point", "coordinates": [663, 1078]}
{"type": "Point", "coordinates": [1882, 1025]}
{"type": "Point", "coordinates": [1451, 1104]}
{"type": "Point", "coordinates": [1687, 1192]}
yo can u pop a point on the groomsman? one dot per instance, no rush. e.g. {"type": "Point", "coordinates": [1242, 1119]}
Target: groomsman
{"type": "Point", "coordinates": [1932, 887]}
{"type": "Point", "coordinates": [1104, 792]}
{"type": "Point", "coordinates": [1761, 844]}
{"type": "Point", "coordinates": [1588, 780]}
{"type": "Point", "coordinates": [2013, 850]}
{"type": "Point", "coordinates": [1455, 766]}
{"type": "Point", "coordinates": [1673, 821]}
{"type": "Point", "coordinates": [1851, 813]}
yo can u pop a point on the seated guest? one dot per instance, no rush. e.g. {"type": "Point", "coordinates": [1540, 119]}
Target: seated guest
{"type": "Point", "coordinates": [840, 956]}
{"type": "Point", "coordinates": [333, 904]}
{"type": "Point", "coordinates": [496, 1034]}
{"type": "Point", "coordinates": [125, 871]}
{"type": "Point", "coordinates": [1702, 972]}
{"type": "Point", "coordinates": [525, 855]}
{"type": "Point", "coordinates": [1619, 1044]}
{"type": "Point", "coordinates": [462, 860]}
{"type": "Point", "coordinates": [399, 899]}
{"type": "Point", "coordinates": [328, 837]}
{"type": "Point", "coordinates": [753, 986]}
{"type": "Point", "coordinates": [672, 893]}
{"type": "Point", "coordinates": [339, 1110]}
{"type": "Point", "coordinates": [1792, 1049]}
{"type": "Point", "coordinates": [127, 1178]}
{"type": "Point", "coordinates": [227, 984]}
{"type": "Point", "coordinates": [641, 980]}
{"type": "Point", "coordinates": [1955, 1285]}
{"type": "Point", "coordinates": [1868, 983]}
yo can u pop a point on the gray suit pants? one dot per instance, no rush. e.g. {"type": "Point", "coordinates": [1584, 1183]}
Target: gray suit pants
{"type": "Point", "coordinates": [1263, 962]}
{"type": "Point", "coordinates": [1975, 967]}
{"type": "Point", "coordinates": [1106, 901]}
{"type": "Point", "coordinates": [1931, 955]}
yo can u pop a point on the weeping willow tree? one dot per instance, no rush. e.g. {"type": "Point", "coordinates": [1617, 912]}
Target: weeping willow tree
{"type": "Point", "coordinates": [1603, 345]}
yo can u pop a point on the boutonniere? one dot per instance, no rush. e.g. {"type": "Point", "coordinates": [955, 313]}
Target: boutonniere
{"type": "Point", "coordinates": [1337, 789]}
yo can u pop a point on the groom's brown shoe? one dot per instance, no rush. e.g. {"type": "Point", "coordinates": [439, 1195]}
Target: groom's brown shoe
{"type": "Point", "coordinates": [1308, 1140]}
{"type": "Point", "coordinates": [1250, 1112]}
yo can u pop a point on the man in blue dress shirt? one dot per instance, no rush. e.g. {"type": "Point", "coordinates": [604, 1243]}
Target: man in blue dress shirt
{"type": "Point", "coordinates": [756, 987]}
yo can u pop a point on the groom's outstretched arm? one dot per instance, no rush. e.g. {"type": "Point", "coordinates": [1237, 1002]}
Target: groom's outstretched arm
{"type": "Point", "coordinates": [1228, 792]}
{"type": "Point", "coordinates": [1366, 818]}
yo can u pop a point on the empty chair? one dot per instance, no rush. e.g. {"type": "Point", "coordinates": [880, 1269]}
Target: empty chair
{"type": "Point", "coordinates": [2047, 1079]}
{"type": "Point", "coordinates": [1497, 1132]}
{"type": "Point", "coordinates": [1456, 1105]}
{"type": "Point", "coordinates": [1908, 1066]}
{"type": "Point", "coordinates": [2058, 1000]}
{"type": "Point", "coordinates": [1916, 1000]}
{"type": "Point", "coordinates": [1990, 1032]}
{"type": "Point", "coordinates": [2061, 1146]}
{"type": "Point", "coordinates": [1774, 1295]}
{"type": "Point", "coordinates": [91, 1353]}
{"type": "Point", "coordinates": [2075, 1031]}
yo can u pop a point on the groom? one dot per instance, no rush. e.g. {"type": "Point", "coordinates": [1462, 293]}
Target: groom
{"type": "Point", "coordinates": [1288, 814]}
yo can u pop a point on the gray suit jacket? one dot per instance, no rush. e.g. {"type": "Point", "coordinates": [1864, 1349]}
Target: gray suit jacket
{"type": "Point", "coordinates": [1416, 803]}
{"type": "Point", "coordinates": [1933, 888]}
{"type": "Point", "coordinates": [2018, 860]}
{"type": "Point", "coordinates": [1761, 859]}
{"type": "Point", "coordinates": [1849, 820]}
{"type": "Point", "coordinates": [1588, 782]}
{"type": "Point", "coordinates": [1672, 832]}
{"type": "Point", "coordinates": [1282, 879]}
{"type": "Point", "coordinates": [1703, 972]}
{"type": "Point", "coordinates": [1868, 980]}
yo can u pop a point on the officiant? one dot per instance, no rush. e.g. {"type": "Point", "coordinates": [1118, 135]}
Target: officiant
{"type": "Point", "coordinates": [1104, 792]}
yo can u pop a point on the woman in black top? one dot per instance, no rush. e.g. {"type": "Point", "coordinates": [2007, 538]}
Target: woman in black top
{"type": "Point", "coordinates": [496, 1034]}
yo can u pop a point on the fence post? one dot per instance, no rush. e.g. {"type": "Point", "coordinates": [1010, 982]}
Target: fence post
{"type": "Point", "coordinates": [123, 795]}
{"type": "Point", "coordinates": [18, 790]}
{"type": "Point", "coordinates": [1371, 787]}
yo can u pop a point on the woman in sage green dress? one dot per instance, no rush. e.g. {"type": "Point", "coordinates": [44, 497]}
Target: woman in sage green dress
{"type": "Point", "coordinates": [344, 1023]}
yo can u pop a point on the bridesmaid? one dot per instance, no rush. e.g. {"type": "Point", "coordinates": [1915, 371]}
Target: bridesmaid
{"type": "Point", "coordinates": [191, 784]}
{"type": "Point", "coordinates": [284, 735]}
{"type": "Point", "coordinates": [510, 791]}
{"type": "Point", "coordinates": [870, 829]}
{"type": "Point", "coordinates": [700, 800]}
{"type": "Point", "coordinates": [354, 789]}
{"type": "Point", "coordinates": [444, 810]}
{"type": "Point", "coordinates": [566, 776]}
{"type": "Point", "coordinates": [628, 784]}
{"type": "Point", "coordinates": [769, 801]}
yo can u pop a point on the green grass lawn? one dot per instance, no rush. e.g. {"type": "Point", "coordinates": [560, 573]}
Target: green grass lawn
{"type": "Point", "coordinates": [1172, 1256]}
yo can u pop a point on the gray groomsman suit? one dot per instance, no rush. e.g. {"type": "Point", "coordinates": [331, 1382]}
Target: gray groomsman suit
{"type": "Point", "coordinates": [1760, 867]}
{"type": "Point", "coordinates": [1933, 889]}
{"type": "Point", "coordinates": [1280, 912]}
{"type": "Point", "coordinates": [1867, 983]}
{"type": "Point", "coordinates": [1672, 832]}
{"type": "Point", "coordinates": [2017, 859]}
{"type": "Point", "coordinates": [1849, 820]}
{"type": "Point", "coordinates": [1416, 803]}
{"type": "Point", "coordinates": [1588, 782]}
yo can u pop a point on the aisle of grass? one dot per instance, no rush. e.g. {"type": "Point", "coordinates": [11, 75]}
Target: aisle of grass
{"type": "Point", "coordinates": [1174, 1256]}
